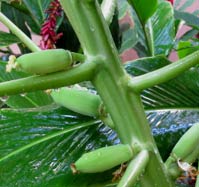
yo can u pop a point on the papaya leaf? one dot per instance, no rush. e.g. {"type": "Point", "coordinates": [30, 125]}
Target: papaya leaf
{"type": "Point", "coordinates": [38, 146]}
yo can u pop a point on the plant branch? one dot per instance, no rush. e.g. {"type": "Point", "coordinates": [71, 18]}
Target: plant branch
{"type": "Point", "coordinates": [83, 72]}
{"type": "Point", "coordinates": [18, 32]}
{"type": "Point", "coordinates": [163, 74]}
{"type": "Point", "coordinates": [134, 170]}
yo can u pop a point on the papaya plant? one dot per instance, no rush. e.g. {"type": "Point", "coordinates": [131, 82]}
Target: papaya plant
{"type": "Point", "coordinates": [73, 114]}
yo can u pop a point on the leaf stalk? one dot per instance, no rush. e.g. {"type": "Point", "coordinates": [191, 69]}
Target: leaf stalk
{"type": "Point", "coordinates": [164, 74]}
{"type": "Point", "coordinates": [19, 33]}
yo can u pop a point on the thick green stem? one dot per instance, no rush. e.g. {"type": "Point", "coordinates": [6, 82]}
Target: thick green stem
{"type": "Point", "coordinates": [163, 74]}
{"type": "Point", "coordinates": [134, 170]}
{"type": "Point", "coordinates": [15, 30]}
{"type": "Point", "coordinates": [126, 111]}
{"type": "Point", "coordinates": [78, 74]}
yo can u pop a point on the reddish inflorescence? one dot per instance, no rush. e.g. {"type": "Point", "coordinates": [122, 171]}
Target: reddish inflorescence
{"type": "Point", "coordinates": [197, 35]}
{"type": "Point", "coordinates": [48, 30]}
{"type": "Point", "coordinates": [171, 1]}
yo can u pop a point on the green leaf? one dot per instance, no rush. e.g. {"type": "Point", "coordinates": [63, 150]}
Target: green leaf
{"type": "Point", "coordinates": [19, 19]}
{"type": "Point", "coordinates": [190, 34]}
{"type": "Point", "coordinates": [156, 37]}
{"type": "Point", "coordinates": [37, 10]}
{"type": "Point", "coordinates": [183, 5]}
{"type": "Point", "coordinates": [185, 48]}
{"type": "Point", "coordinates": [29, 100]}
{"type": "Point", "coordinates": [16, 16]}
{"type": "Point", "coordinates": [7, 39]}
{"type": "Point", "coordinates": [160, 29]}
{"type": "Point", "coordinates": [129, 39]}
{"type": "Point", "coordinates": [128, 32]}
{"type": "Point", "coordinates": [144, 8]}
{"type": "Point", "coordinates": [33, 12]}
{"type": "Point", "coordinates": [132, 32]}
{"type": "Point", "coordinates": [123, 8]}
{"type": "Point", "coordinates": [189, 19]}
{"type": "Point", "coordinates": [37, 147]}
{"type": "Point", "coordinates": [128, 28]}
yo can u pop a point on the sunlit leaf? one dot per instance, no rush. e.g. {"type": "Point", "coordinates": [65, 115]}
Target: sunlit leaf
{"type": "Point", "coordinates": [37, 147]}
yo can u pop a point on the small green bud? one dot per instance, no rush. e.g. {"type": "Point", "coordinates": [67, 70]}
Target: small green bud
{"type": "Point", "coordinates": [103, 159]}
{"type": "Point", "coordinates": [44, 62]}
{"type": "Point", "coordinates": [187, 143]}
{"type": "Point", "coordinates": [77, 100]}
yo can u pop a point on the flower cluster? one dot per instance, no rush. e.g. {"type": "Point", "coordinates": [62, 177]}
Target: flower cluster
{"type": "Point", "coordinates": [48, 30]}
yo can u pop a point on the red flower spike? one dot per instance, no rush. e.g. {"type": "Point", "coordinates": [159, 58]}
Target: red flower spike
{"type": "Point", "coordinates": [171, 1]}
{"type": "Point", "coordinates": [197, 35]}
{"type": "Point", "coordinates": [48, 30]}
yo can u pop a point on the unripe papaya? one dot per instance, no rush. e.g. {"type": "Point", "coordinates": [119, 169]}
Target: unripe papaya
{"type": "Point", "coordinates": [77, 100]}
{"type": "Point", "coordinates": [187, 143]}
{"type": "Point", "coordinates": [44, 62]}
{"type": "Point", "coordinates": [103, 159]}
